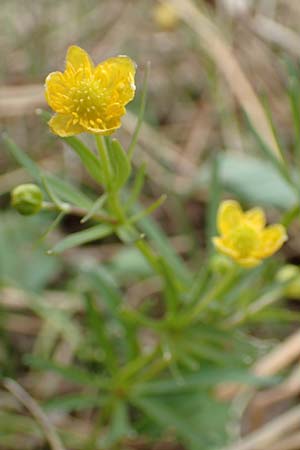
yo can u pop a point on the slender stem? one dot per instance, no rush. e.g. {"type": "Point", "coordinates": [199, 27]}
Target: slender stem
{"type": "Point", "coordinates": [291, 215]}
{"type": "Point", "coordinates": [146, 212]}
{"type": "Point", "coordinates": [115, 206]}
{"type": "Point", "coordinates": [76, 211]}
{"type": "Point", "coordinates": [266, 300]}
{"type": "Point", "coordinates": [148, 253]}
{"type": "Point", "coordinates": [33, 407]}
{"type": "Point", "coordinates": [141, 114]}
{"type": "Point", "coordinates": [216, 292]}
{"type": "Point", "coordinates": [156, 368]}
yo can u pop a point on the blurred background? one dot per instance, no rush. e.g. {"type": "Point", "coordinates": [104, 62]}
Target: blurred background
{"type": "Point", "coordinates": [211, 61]}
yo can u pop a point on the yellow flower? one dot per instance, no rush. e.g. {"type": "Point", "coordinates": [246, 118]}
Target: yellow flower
{"type": "Point", "coordinates": [165, 16]}
{"type": "Point", "coordinates": [244, 235]}
{"type": "Point", "coordinates": [88, 98]}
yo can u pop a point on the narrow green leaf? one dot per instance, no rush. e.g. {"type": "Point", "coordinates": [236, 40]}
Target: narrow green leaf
{"type": "Point", "coordinates": [102, 281]}
{"type": "Point", "coordinates": [51, 194]}
{"type": "Point", "coordinates": [167, 416]}
{"type": "Point", "coordinates": [22, 158]}
{"type": "Point", "coordinates": [208, 377]}
{"type": "Point", "coordinates": [71, 402]}
{"type": "Point", "coordinates": [269, 154]}
{"type": "Point", "coordinates": [68, 192]}
{"type": "Point", "coordinates": [71, 373]}
{"type": "Point", "coordinates": [82, 237]}
{"type": "Point", "coordinates": [61, 187]}
{"type": "Point", "coordinates": [136, 132]}
{"type": "Point", "coordinates": [213, 203]}
{"type": "Point", "coordinates": [97, 325]}
{"type": "Point", "coordinates": [149, 210]}
{"type": "Point", "coordinates": [88, 158]}
{"type": "Point", "coordinates": [120, 164]}
{"type": "Point", "coordinates": [97, 206]}
{"type": "Point", "coordinates": [160, 240]}
{"type": "Point", "coordinates": [137, 187]}
{"type": "Point", "coordinates": [119, 427]}
{"type": "Point", "coordinates": [273, 127]}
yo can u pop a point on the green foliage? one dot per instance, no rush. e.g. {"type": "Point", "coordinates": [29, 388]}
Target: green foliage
{"type": "Point", "coordinates": [149, 362]}
{"type": "Point", "coordinates": [34, 268]}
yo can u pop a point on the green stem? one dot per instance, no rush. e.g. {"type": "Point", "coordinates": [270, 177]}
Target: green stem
{"type": "Point", "coordinates": [291, 215]}
{"type": "Point", "coordinates": [115, 206]}
{"type": "Point", "coordinates": [134, 139]}
{"type": "Point", "coordinates": [213, 294]}
{"type": "Point", "coordinates": [266, 300]}
{"type": "Point", "coordinates": [149, 210]}
{"type": "Point", "coordinates": [65, 208]}
{"type": "Point", "coordinates": [149, 254]}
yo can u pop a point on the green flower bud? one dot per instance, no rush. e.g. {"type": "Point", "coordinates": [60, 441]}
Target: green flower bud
{"type": "Point", "coordinates": [27, 199]}
{"type": "Point", "coordinates": [290, 274]}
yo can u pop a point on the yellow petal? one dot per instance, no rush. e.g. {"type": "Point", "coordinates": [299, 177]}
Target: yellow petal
{"type": "Point", "coordinates": [118, 74]}
{"type": "Point", "coordinates": [223, 248]}
{"type": "Point", "coordinates": [228, 251]}
{"type": "Point", "coordinates": [101, 131]}
{"type": "Point", "coordinates": [243, 239]}
{"type": "Point", "coordinates": [256, 217]}
{"type": "Point", "coordinates": [56, 91]}
{"type": "Point", "coordinates": [230, 216]}
{"type": "Point", "coordinates": [63, 125]}
{"type": "Point", "coordinates": [272, 238]}
{"type": "Point", "coordinates": [78, 59]}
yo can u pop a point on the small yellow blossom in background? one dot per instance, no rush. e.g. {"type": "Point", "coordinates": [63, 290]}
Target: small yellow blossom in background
{"type": "Point", "coordinates": [244, 235]}
{"type": "Point", "coordinates": [290, 275]}
{"type": "Point", "coordinates": [88, 98]}
{"type": "Point", "coordinates": [165, 16]}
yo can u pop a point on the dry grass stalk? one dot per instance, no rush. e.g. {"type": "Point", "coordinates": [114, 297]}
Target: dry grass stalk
{"type": "Point", "coordinates": [19, 393]}
{"type": "Point", "coordinates": [276, 33]}
{"type": "Point", "coordinates": [278, 359]}
{"type": "Point", "coordinates": [289, 443]}
{"type": "Point", "coordinates": [20, 100]}
{"type": "Point", "coordinates": [212, 41]}
{"type": "Point", "coordinates": [269, 434]}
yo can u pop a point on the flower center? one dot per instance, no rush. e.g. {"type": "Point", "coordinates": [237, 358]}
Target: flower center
{"type": "Point", "coordinates": [86, 100]}
{"type": "Point", "coordinates": [243, 240]}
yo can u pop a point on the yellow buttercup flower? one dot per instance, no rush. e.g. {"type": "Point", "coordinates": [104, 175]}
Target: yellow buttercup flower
{"type": "Point", "coordinates": [165, 16]}
{"type": "Point", "coordinates": [244, 236]}
{"type": "Point", "coordinates": [88, 98]}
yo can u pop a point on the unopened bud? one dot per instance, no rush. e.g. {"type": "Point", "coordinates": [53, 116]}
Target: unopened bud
{"type": "Point", "coordinates": [290, 274]}
{"type": "Point", "coordinates": [27, 199]}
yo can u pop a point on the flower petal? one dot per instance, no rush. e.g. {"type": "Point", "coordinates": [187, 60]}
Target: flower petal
{"type": "Point", "coordinates": [223, 248]}
{"type": "Point", "coordinates": [63, 125]}
{"type": "Point", "coordinates": [244, 262]}
{"type": "Point", "coordinates": [256, 217]}
{"type": "Point", "coordinates": [101, 131]}
{"type": "Point", "coordinates": [230, 216]}
{"type": "Point", "coordinates": [118, 74]}
{"type": "Point", "coordinates": [56, 92]}
{"type": "Point", "coordinates": [272, 238]}
{"type": "Point", "coordinates": [78, 59]}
